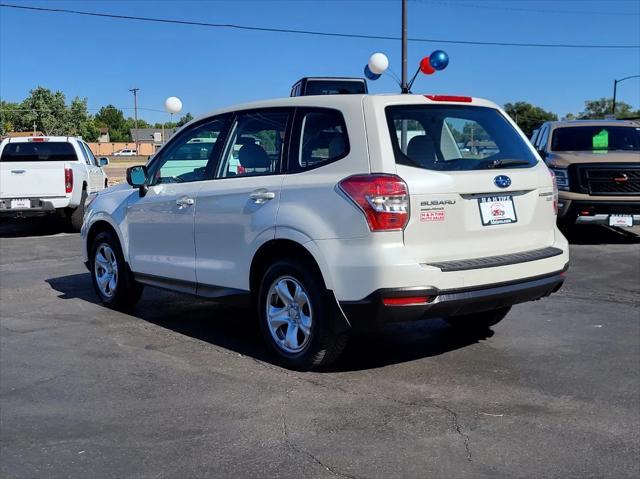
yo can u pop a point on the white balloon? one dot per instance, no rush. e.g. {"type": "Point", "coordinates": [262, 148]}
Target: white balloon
{"type": "Point", "coordinates": [378, 63]}
{"type": "Point", "coordinates": [173, 104]}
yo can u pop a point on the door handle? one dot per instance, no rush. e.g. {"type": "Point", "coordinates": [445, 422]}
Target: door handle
{"type": "Point", "coordinates": [184, 201]}
{"type": "Point", "coordinates": [261, 196]}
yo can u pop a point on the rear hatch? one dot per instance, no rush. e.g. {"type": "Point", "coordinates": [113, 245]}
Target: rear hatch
{"type": "Point", "coordinates": [476, 188]}
{"type": "Point", "coordinates": [34, 168]}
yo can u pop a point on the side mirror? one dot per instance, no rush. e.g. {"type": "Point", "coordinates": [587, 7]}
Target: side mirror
{"type": "Point", "coordinates": [103, 161]}
{"type": "Point", "coordinates": [137, 177]}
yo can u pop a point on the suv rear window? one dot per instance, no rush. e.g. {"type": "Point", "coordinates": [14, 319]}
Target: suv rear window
{"type": "Point", "coordinates": [595, 137]}
{"type": "Point", "coordinates": [450, 138]}
{"type": "Point", "coordinates": [39, 151]}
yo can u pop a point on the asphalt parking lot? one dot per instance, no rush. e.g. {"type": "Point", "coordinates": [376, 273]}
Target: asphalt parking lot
{"type": "Point", "coordinates": [181, 388]}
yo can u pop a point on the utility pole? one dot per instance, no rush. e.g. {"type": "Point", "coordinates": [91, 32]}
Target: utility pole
{"type": "Point", "coordinates": [615, 87]}
{"type": "Point", "coordinates": [135, 113]}
{"type": "Point", "coordinates": [404, 85]}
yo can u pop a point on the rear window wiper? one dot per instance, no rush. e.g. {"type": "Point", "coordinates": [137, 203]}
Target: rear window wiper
{"type": "Point", "coordinates": [507, 163]}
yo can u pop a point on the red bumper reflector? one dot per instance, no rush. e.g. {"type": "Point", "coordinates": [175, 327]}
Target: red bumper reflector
{"type": "Point", "coordinates": [460, 99]}
{"type": "Point", "coordinates": [406, 301]}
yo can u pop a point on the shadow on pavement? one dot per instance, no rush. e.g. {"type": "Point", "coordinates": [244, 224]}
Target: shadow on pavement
{"type": "Point", "coordinates": [237, 329]}
{"type": "Point", "coordinates": [37, 226]}
{"type": "Point", "coordinates": [596, 234]}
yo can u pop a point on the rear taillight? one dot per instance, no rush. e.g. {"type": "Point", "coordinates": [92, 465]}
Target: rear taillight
{"type": "Point", "coordinates": [555, 191]}
{"type": "Point", "coordinates": [68, 180]}
{"type": "Point", "coordinates": [383, 198]}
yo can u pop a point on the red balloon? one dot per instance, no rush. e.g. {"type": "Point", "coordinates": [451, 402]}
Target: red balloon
{"type": "Point", "coordinates": [425, 66]}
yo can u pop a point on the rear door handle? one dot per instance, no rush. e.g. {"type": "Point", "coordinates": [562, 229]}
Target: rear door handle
{"type": "Point", "coordinates": [261, 196]}
{"type": "Point", "coordinates": [184, 201]}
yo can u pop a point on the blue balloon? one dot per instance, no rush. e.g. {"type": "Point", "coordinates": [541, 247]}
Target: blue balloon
{"type": "Point", "coordinates": [439, 60]}
{"type": "Point", "coordinates": [369, 74]}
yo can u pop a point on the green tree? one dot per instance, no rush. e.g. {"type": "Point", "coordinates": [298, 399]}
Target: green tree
{"type": "Point", "coordinates": [47, 110]}
{"type": "Point", "coordinates": [111, 117]}
{"type": "Point", "coordinates": [528, 116]}
{"type": "Point", "coordinates": [184, 120]}
{"type": "Point", "coordinates": [10, 114]}
{"type": "Point", "coordinates": [80, 122]}
{"type": "Point", "coordinates": [598, 109]}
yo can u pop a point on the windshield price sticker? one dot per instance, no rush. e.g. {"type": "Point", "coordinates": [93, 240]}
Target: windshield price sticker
{"type": "Point", "coordinates": [600, 141]}
{"type": "Point", "coordinates": [497, 210]}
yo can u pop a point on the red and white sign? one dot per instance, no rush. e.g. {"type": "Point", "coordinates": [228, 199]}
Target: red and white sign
{"type": "Point", "coordinates": [432, 216]}
{"type": "Point", "coordinates": [621, 220]}
{"type": "Point", "coordinates": [497, 210]}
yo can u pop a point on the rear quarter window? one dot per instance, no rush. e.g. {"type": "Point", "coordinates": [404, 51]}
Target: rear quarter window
{"type": "Point", "coordinates": [39, 151]}
{"type": "Point", "coordinates": [320, 138]}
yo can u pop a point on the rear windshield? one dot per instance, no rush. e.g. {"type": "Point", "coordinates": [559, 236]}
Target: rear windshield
{"type": "Point", "coordinates": [448, 138]}
{"type": "Point", "coordinates": [594, 137]}
{"type": "Point", "coordinates": [41, 151]}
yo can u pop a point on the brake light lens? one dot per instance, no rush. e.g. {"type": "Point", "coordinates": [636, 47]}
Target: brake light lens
{"type": "Point", "coordinates": [555, 191]}
{"type": "Point", "coordinates": [68, 180]}
{"type": "Point", "coordinates": [383, 198]}
{"type": "Point", "coordinates": [454, 98]}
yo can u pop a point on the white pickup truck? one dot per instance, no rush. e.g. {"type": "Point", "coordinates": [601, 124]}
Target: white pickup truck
{"type": "Point", "coordinates": [48, 174]}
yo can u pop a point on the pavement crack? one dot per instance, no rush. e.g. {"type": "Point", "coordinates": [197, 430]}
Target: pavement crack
{"type": "Point", "coordinates": [458, 429]}
{"type": "Point", "coordinates": [429, 403]}
{"type": "Point", "coordinates": [304, 452]}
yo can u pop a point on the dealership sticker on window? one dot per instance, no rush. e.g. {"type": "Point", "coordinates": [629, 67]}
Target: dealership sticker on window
{"type": "Point", "coordinates": [432, 216]}
{"type": "Point", "coordinates": [600, 141]}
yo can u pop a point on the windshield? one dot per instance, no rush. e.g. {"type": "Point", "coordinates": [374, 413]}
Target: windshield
{"type": "Point", "coordinates": [39, 151]}
{"type": "Point", "coordinates": [596, 137]}
{"type": "Point", "coordinates": [449, 137]}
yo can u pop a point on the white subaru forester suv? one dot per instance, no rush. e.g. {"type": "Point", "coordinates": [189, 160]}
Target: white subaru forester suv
{"type": "Point", "coordinates": [335, 212]}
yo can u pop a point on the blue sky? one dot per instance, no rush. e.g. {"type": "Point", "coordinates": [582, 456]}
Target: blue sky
{"type": "Point", "coordinates": [208, 68]}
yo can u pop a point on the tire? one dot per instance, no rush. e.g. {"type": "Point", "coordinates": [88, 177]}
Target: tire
{"type": "Point", "coordinates": [307, 316]}
{"type": "Point", "coordinates": [77, 216]}
{"type": "Point", "coordinates": [478, 321]}
{"type": "Point", "coordinates": [121, 291]}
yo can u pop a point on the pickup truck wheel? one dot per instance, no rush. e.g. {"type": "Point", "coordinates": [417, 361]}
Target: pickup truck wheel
{"type": "Point", "coordinates": [478, 321]}
{"type": "Point", "coordinates": [77, 216]}
{"type": "Point", "coordinates": [295, 316]}
{"type": "Point", "coordinates": [110, 274]}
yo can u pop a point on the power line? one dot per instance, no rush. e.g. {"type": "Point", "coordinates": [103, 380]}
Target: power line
{"type": "Point", "coordinates": [311, 32]}
{"type": "Point", "coordinates": [88, 109]}
{"type": "Point", "coordinates": [532, 10]}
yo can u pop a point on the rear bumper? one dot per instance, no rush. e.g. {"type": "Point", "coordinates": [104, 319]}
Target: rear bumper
{"type": "Point", "coordinates": [598, 211]}
{"type": "Point", "coordinates": [372, 312]}
{"type": "Point", "coordinates": [38, 208]}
